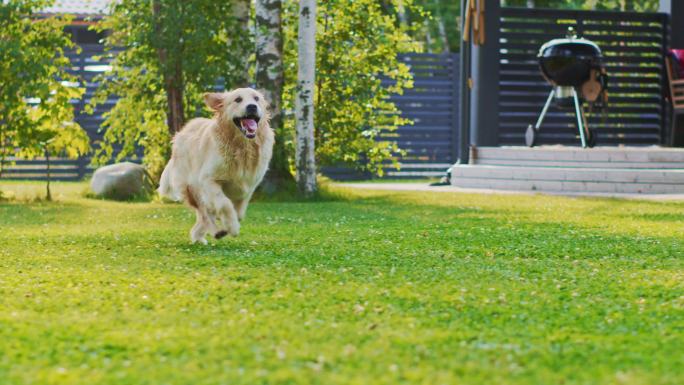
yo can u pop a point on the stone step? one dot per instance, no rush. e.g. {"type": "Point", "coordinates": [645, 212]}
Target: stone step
{"type": "Point", "coordinates": [567, 187]}
{"type": "Point", "coordinates": [569, 179]}
{"type": "Point", "coordinates": [571, 157]}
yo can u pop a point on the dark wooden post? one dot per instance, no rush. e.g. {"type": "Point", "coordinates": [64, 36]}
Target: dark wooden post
{"type": "Point", "coordinates": [480, 85]}
{"type": "Point", "coordinates": [675, 11]}
{"type": "Point", "coordinates": [484, 108]}
{"type": "Point", "coordinates": [456, 107]}
{"type": "Point", "coordinates": [464, 96]}
{"type": "Point", "coordinates": [675, 8]}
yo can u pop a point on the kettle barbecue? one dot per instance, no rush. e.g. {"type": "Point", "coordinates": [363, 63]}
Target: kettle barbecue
{"type": "Point", "coordinates": [574, 67]}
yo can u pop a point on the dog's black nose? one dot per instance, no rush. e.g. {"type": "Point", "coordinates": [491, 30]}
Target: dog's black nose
{"type": "Point", "coordinates": [252, 109]}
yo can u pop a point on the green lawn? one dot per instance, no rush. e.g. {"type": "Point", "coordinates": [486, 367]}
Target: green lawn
{"type": "Point", "coordinates": [368, 288]}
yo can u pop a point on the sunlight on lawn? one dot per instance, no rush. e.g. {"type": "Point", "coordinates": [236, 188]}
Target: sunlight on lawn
{"type": "Point", "coordinates": [420, 288]}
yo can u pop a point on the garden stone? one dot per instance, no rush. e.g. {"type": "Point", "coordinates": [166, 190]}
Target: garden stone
{"type": "Point", "coordinates": [121, 181]}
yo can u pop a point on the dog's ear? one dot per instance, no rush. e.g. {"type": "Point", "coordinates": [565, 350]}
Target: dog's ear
{"type": "Point", "coordinates": [215, 100]}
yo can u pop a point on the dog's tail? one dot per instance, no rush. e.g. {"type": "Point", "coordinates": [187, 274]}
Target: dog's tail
{"type": "Point", "coordinates": [165, 185]}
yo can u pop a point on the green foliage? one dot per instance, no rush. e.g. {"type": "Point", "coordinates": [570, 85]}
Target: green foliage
{"type": "Point", "coordinates": [35, 89]}
{"type": "Point", "coordinates": [198, 39]}
{"type": "Point", "coordinates": [613, 5]}
{"type": "Point", "coordinates": [444, 12]}
{"type": "Point", "coordinates": [358, 44]}
{"type": "Point", "coordinates": [376, 288]}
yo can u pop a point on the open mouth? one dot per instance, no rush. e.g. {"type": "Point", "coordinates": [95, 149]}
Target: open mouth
{"type": "Point", "coordinates": [248, 125]}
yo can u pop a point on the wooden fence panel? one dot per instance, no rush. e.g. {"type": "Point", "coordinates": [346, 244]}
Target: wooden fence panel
{"type": "Point", "coordinates": [633, 46]}
{"type": "Point", "coordinates": [432, 104]}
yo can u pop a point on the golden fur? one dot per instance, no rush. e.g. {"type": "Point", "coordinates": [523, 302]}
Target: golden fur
{"type": "Point", "coordinates": [215, 165]}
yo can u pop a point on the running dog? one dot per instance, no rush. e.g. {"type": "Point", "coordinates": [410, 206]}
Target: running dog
{"type": "Point", "coordinates": [216, 164]}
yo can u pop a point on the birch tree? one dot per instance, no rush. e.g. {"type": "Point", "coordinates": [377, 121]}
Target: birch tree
{"type": "Point", "coordinates": [358, 47]}
{"type": "Point", "coordinates": [241, 12]}
{"type": "Point", "coordinates": [269, 79]}
{"type": "Point", "coordinates": [304, 107]}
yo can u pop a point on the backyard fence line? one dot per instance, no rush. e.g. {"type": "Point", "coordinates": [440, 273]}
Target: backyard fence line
{"type": "Point", "coordinates": [429, 143]}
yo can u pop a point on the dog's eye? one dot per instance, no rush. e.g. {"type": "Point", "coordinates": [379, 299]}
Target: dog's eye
{"type": "Point", "coordinates": [238, 100]}
{"type": "Point", "coordinates": [256, 98]}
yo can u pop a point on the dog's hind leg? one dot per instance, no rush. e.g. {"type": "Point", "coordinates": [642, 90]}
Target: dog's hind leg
{"type": "Point", "coordinates": [199, 230]}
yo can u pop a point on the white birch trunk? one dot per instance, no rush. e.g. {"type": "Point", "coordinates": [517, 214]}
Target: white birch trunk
{"type": "Point", "coordinates": [269, 79]}
{"type": "Point", "coordinates": [304, 108]}
{"type": "Point", "coordinates": [440, 27]}
{"type": "Point", "coordinates": [269, 53]}
{"type": "Point", "coordinates": [402, 13]}
{"type": "Point", "coordinates": [428, 35]}
{"type": "Point", "coordinates": [241, 12]}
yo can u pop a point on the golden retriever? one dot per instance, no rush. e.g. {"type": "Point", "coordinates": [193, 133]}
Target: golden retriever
{"type": "Point", "coordinates": [217, 163]}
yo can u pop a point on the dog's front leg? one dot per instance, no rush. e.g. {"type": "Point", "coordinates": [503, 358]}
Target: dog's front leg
{"type": "Point", "coordinates": [241, 206]}
{"type": "Point", "coordinates": [223, 209]}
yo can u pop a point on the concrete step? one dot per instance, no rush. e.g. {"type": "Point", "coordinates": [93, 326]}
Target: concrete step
{"type": "Point", "coordinates": [572, 157]}
{"type": "Point", "coordinates": [569, 179]}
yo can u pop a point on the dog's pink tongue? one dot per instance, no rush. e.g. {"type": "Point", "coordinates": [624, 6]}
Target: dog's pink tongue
{"type": "Point", "coordinates": [249, 124]}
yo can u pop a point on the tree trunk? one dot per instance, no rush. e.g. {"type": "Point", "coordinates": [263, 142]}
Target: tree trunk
{"type": "Point", "coordinates": [428, 35]}
{"type": "Point", "coordinates": [48, 193]}
{"type": "Point", "coordinates": [269, 79]}
{"type": "Point", "coordinates": [174, 95]}
{"type": "Point", "coordinates": [173, 79]}
{"type": "Point", "coordinates": [401, 11]}
{"type": "Point", "coordinates": [2, 147]}
{"type": "Point", "coordinates": [241, 11]}
{"type": "Point", "coordinates": [440, 27]}
{"type": "Point", "coordinates": [304, 106]}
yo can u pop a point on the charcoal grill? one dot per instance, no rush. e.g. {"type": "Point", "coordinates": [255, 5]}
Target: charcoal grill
{"type": "Point", "coordinates": [573, 67]}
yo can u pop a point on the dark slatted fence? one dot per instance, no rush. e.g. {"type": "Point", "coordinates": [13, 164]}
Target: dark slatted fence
{"type": "Point", "coordinates": [86, 65]}
{"type": "Point", "coordinates": [432, 104]}
{"type": "Point", "coordinates": [430, 143]}
{"type": "Point", "coordinates": [633, 46]}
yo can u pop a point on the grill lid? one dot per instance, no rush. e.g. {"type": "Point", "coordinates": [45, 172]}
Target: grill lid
{"type": "Point", "coordinates": [576, 47]}
{"type": "Point", "coordinates": [569, 61]}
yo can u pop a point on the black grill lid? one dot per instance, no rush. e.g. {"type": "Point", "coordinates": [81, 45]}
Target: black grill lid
{"type": "Point", "coordinates": [568, 61]}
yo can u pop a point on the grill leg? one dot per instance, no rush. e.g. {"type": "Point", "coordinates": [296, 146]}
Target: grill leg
{"type": "Point", "coordinates": [580, 118]}
{"type": "Point", "coordinates": [531, 133]}
{"type": "Point", "coordinates": [544, 111]}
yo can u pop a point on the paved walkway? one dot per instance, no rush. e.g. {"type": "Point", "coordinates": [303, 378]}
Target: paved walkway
{"type": "Point", "coordinates": [446, 189]}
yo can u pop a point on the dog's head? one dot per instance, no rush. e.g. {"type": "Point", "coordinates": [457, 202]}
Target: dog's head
{"type": "Point", "coordinates": [242, 108]}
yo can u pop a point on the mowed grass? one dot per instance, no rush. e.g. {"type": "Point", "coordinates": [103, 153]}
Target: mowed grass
{"type": "Point", "coordinates": [367, 288]}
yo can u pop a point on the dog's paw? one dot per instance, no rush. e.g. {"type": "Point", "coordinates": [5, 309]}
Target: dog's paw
{"type": "Point", "coordinates": [231, 226]}
{"type": "Point", "coordinates": [200, 241]}
{"type": "Point", "coordinates": [234, 228]}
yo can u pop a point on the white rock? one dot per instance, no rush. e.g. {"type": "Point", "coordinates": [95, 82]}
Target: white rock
{"type": "Point", "coordinates": [120, 181]}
